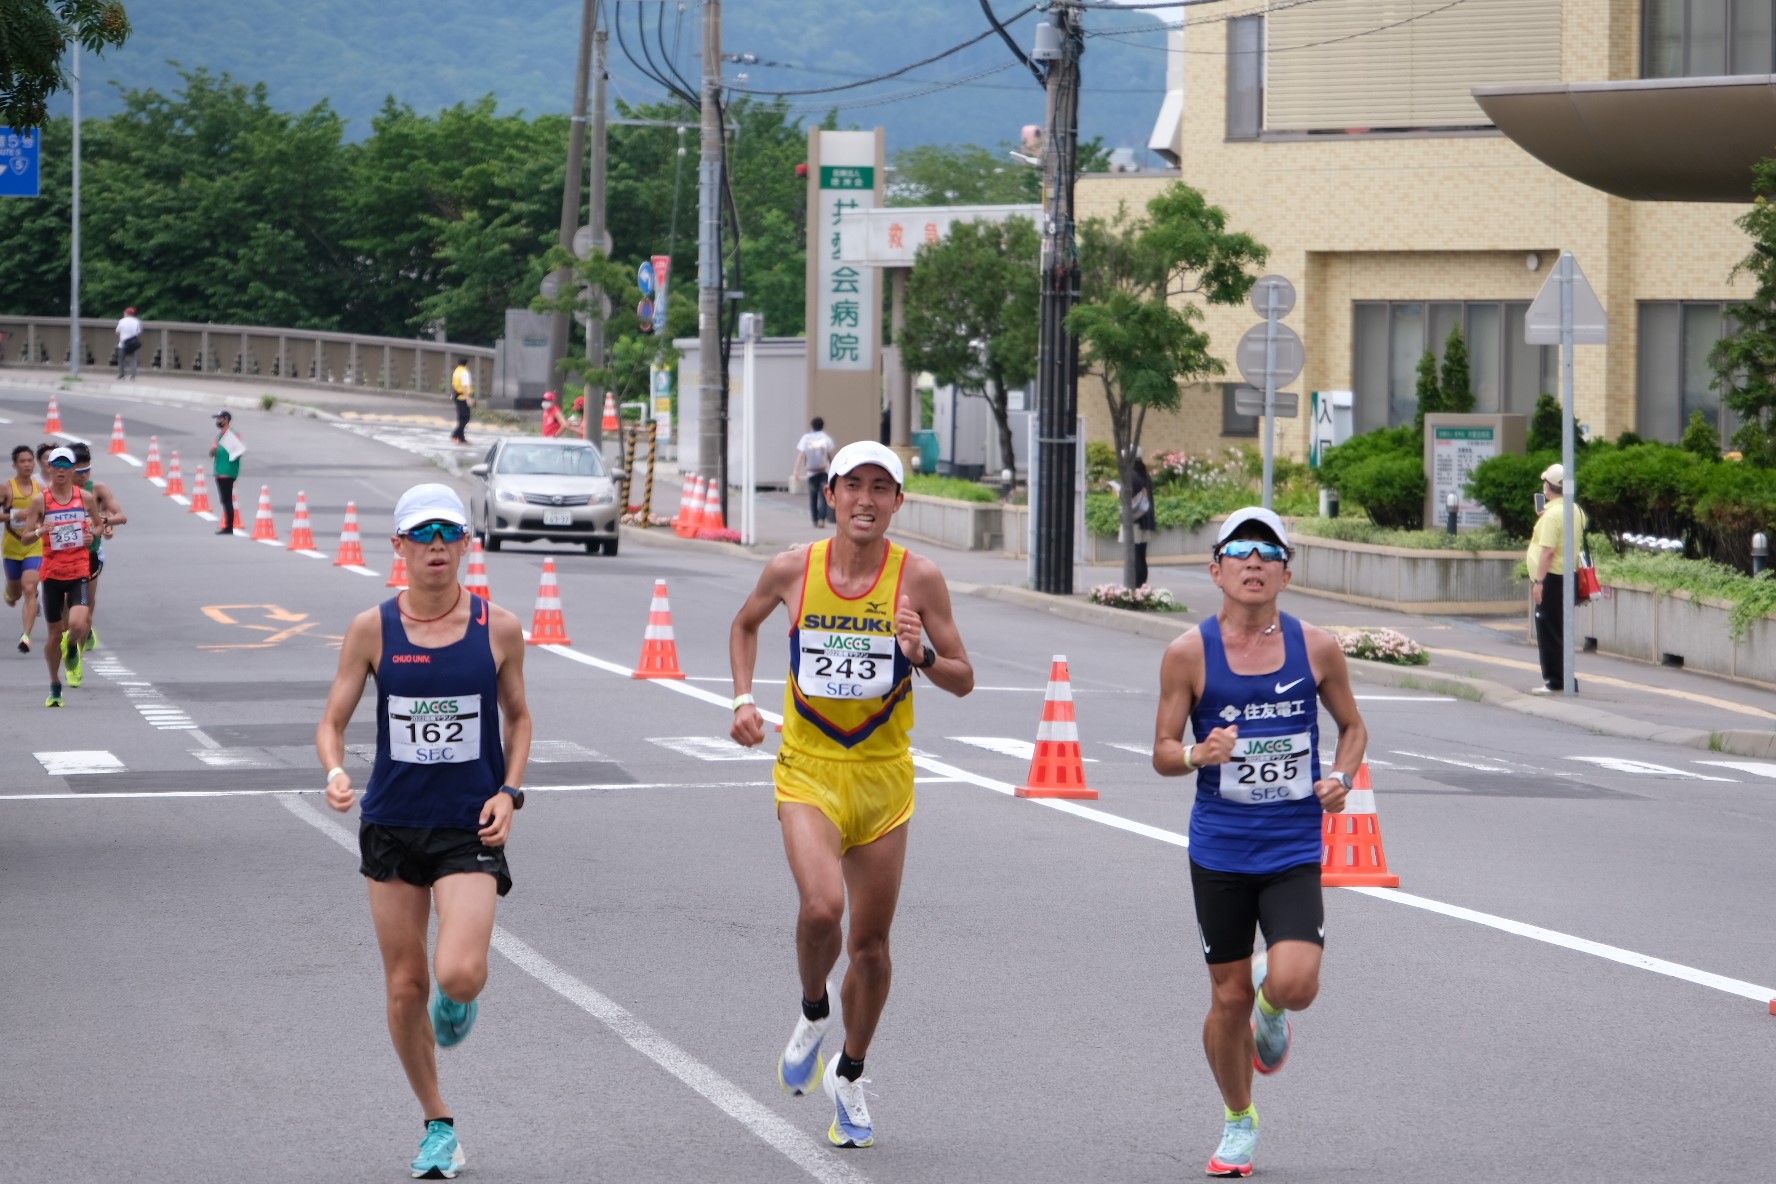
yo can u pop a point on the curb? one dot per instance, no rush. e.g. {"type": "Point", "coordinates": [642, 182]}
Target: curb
{"type": "Point", "coordinates": [1160, 626]}
{"type": "Point", "coordinates": [132, 391]}
{"type": "Point", "coordinates": [663, 535]}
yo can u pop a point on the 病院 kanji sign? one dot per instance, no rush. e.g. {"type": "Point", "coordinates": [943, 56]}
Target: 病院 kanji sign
{"type": "Point", "coordinates": [846, 328]}
{"type": "Point", "coordinates": [19, 163]}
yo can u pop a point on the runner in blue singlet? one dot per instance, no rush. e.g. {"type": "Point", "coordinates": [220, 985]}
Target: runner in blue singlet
{"type": "Point", "coordinates": [1250, 682]}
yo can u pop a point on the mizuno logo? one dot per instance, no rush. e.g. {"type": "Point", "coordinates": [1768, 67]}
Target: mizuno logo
{"type": "Point", "coordinates": [1283, 688]}
{"type": "Point", "coordinates": [875, 606]}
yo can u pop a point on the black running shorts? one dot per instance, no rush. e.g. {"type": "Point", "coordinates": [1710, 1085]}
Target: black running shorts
{"type": "Point", "coordinates": [61, 595]}
{"type": "Point", "coordinates": [420, 856]}
{"type": "Point", "coordinates": [1230, 906]}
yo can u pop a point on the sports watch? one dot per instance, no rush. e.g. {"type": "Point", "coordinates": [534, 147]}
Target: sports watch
{"type": "Point", "coordinates": [1343, 779]}
{"type": "Point", "coordinates": [517, 796]}
{"type": "Point", "coordinates": [928, 659]}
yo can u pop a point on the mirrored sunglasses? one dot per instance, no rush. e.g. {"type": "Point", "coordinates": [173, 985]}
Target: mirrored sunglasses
{"type": "Point", "coordinates": [85, 471]}
{"type": "Point", "coordinates": [61, 464]}
{"type": "Point", "coordinates": [1243, 549]}
{"type": "Point", "coordinates": [427, 532]}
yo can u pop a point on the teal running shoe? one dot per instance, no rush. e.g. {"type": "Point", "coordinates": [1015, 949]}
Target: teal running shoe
{"type": "Point", "coordinates": [92, 640]}
{"type": "Point", "coordinates": [440, 1155]}
{"type": "Point", "coordinates": [451, 1021]}
{"type": "Point", "coordinates": [1238, 1140]}
{"type": "Point", "coordinates": [851, 1121]}
{"type": "Point", "coordinates": [71, 657]}
{"type": "Point", "coordinates": [1271, 1034]}
{"type": "Point", "coordinates": [800, 1065]}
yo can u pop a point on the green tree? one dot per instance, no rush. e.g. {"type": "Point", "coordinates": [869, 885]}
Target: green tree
{"type": "Point", "coordinates": [1744, 361]}
{"type": "Point", "coordinates": [1457, 387]}
{"type": "Point", "coordinates": [1701, 437]}
{"type": "Point", "coordinates": [1429, 394]}
{"type": "Point", "coordinates": [1138, 321]}
{"type": "Point", "coordinates": [972, 313]}
{"type": "Point", "coordinates": [631, 349]}
{"type": "Point", "coordinates": [34, 36]}
{"type": "Point", "coordinates": [969, 175]}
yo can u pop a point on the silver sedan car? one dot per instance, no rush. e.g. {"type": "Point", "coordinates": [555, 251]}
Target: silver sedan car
{"type": "Point", "coordinates": [533, 489]}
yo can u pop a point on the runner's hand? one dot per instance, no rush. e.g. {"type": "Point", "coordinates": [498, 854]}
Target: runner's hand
{"type": "Point", "coordinates": [340, 794]}
{"type": "Point", "coordinates": [1331, 793]}
{"type": "Point", "coordinates": [911, 630]}
{"type": "Point", "coordinates": [749, 727]}
{"type": "Point", "coordinates": [496, 820]}
{"type": "Point", "coordinates": [1218, 748]}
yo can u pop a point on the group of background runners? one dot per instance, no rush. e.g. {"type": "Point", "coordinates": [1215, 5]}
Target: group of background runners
{"type": "Point", "coordinates": [867, 620]}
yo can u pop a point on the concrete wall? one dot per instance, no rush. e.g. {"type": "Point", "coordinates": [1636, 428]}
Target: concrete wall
{"type": "Point", "coordinates": [965, 526]}
{"type": "Point", "coordinates": [1636, 622]}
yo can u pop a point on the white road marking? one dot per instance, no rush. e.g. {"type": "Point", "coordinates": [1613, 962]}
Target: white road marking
{"type": "Point", "coordinates": [710, 748]}
{"type": "Point", "coordinates": [157, 482]}
{"type": "Point", "coordinates": [590, 787]}
{"type": "Point", "coordinates": [561, 752]}
{"type": "Point", "coordinates": [180, 498]}
{"type": "Point", "coordinates": [237, 758]}
{"type": "Point", "coordinates": [1406, 699]}
{"type": "Point", "coordinates": [1648, 769]}
{"type": "Point", "coordinates": [1137, 749]}
{"type": "Point", "coordinates": [127, 459]}
{"type": "Point", "coordinates": [723, 1094]}
{"type": "Point", "coordinates": [1023, 750]}
{"type": "Point", "coordinates": [1480, 766]}
{"type": "Point", "coordinates": [75, 762]}
{"type": "Point", "coordinates": [312, 554]}
{"type": "Point", "coordinates": [1757, 768]}
{"type": "Point", "coordinates": [153, 706]}
{"type": "Point", "coordinates": [363, 571]}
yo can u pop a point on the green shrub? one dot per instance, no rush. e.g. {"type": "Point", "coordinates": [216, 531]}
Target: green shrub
{"type": "Point", "coordinates": [1701, 437]}
{"type": "Point", "coordinates": [1100, 463]}
{"type": "Point", "coordinates": [1731, 503]}
{"type": "Point", "coordinates": [1390, 487]}
{"type": "Point", "coordinates": [1361, 530]}
{"type": "Point", "coordinates": [1506, 485]}
{"type": "Point", "coordinates": [1642, 489]}
{"type": "Point", "coordinates": [1750, 598]}
{"type": "Point", "coordinates": [1191, 510]}
{"type": "Point", "coordinates": [1629, 439]}
{"type": "Point", "coordinates": [1381, 442]}
{"type": "Point", "coordinates": [951, 487]}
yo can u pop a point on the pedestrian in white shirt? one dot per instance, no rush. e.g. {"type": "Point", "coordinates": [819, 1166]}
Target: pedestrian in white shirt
{"type": "Point", "coordinates": [813, 454]}
{"type": "Point", "coordinates": [129, 344]}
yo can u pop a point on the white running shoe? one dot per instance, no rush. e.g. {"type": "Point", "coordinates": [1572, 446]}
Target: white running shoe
{"type": "Point", "coordinates": [800, 1065]}
{"type": "Point", "coordinates": [851, 1121]}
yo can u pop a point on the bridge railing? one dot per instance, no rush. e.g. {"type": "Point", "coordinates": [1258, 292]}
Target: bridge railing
{"type": "Point", "coordinates": [244, 353]}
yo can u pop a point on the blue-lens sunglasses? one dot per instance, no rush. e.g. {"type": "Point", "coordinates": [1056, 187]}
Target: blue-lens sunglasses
{"type": "Point", "coordinates": [1243, 548]}
{"type": "Point", "coordinates": [427, 532]}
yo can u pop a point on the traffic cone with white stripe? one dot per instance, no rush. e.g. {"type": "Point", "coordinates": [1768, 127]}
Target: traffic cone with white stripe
{"type": "Point", "coordinates": [200, 494]}
{"type": "Point", "coordinates": [153, 470]}
{"type": "Point", "coordinates": [118, 446]}
{"type": "Point", "coordinates": [690, 508]}
{"type": "Point", "coordinates": [264, 525]}
{"type": "Point", "coordinates": [712, 511]}
{"type": "Point", "coordinates": [547, 626]}
{"type": "Point", "coordinates": [351, 546]}
{"type": "Point", "coordinates": [53, 421]}
{"type": "Point", "coordinates": [477, 581]}
{"type": "Point", "coordinates": [609, 422]}
{"type": "Point", "coordinates": [1353, 856]}
{"type": "Point", "coordinates": [397, 573]}
{"type": "Point", "coordinates": [301, 530]}
{"type": "Point", "coordinates": [175, 483]}
{"type": "Point", "coordinates": [1057, 768]}
{"type": "Point", "coordinates": [659, 651]}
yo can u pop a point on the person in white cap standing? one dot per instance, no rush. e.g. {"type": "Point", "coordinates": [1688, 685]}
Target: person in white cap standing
{"type": "Point", "coordinates": [1546, 560]}
{"type": "Point", "coordinates": [452, 741]}
{"type": "Point", "coordinates": [861, 610]}
{"type": "Point", "coordinates": [1250, 682]}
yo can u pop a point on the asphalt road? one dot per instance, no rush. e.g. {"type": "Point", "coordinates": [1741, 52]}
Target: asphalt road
{"type": "Point", "coordinates": [1566, 984]}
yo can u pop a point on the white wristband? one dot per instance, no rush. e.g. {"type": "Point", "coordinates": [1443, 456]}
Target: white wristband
{"type": "Point", "coordinates": [335, 771]}
{"type": "Point", "coordinates": [742, 701]}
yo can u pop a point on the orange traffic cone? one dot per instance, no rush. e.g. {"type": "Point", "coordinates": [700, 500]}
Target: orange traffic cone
{"type": "Point", "coordinates": [234, 512]}
{"type": "Point", "coordinates": [609, 422]}
{"type": "Point", "coordinates": [351, 547]}
{"type": "Point", "coordinates": [153, 470]}
{"type": "Point", "coordinates": [264, 525]}
{"type": "Point", "coordinates": [301, 531]}
{"type": "Point", "coordinates": [659, 652]}
{"type": "Point", "coordinates": [200, 495]}
{"type": "Point", "coordinates": [477, 581]}
{"type": "Point", "coordinates": [398, 573]}
{"type": "Point", "coordinates": [118, 446]}
{"type": "Point", "coordinates": [1057, 769]}
{"type": "Point", "coordinates": [53, 421]}
{"type": "Point", "coordinates": [547, 627]}
{"type": "Point", "coordinates": [712, 510]}
{"type": "Point", "coordinates": [1353, 856]}
{"type": "Point", "coordinates": [175, 486]}
{"type": "Point", "coordinates": [690, 508]}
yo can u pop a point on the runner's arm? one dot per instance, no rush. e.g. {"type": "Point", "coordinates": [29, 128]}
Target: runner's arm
{"type": "Point", "coordinates": [1179, 670]}
{"type": "Point", "coordinates": [1332, 673]}
{"type": "Point", "coordinates": [33, 520]}
{"type": "Point", "coordinates": [773, 588]}
{"type": "Point", "coordinates": [515, 721]}
{"type": "Point", "coordinates": [357, 659]}
{"type": "Point", "coordinates": [109, 506]}
{"type": "Point", "coordinates": [930, 597]}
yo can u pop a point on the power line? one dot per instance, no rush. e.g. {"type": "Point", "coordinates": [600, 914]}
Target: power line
{"type": "Point", "coordinates": [1122, 36]}
{"type": "Point", "coordinates": [1017, 50]}
{"type": "Point", "coordinates": [938, 57]}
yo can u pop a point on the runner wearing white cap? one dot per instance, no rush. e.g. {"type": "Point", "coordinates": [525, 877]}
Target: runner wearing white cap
{"type": "Point", "coordinates": [1250, 682]}
{"type": "Point", "coordinates": [861, 609]}
{"type": "Point", "coordinates": [66, 521]}
{"type": "Point", "coordinates": [452, 741]}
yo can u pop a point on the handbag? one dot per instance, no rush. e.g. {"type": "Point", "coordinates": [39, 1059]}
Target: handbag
{"type": "Point", "coordinates": [1585, 582]}
{"type": "Point", "coordinates": [131, 344]}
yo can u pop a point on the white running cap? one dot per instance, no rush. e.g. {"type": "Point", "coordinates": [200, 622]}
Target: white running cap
{"type": "Point", "coordinates": [867, 452]}
{"type": "Point", "coordinates": [429, 503]}
{"type": "Point", "coordinates": [1258, 514]}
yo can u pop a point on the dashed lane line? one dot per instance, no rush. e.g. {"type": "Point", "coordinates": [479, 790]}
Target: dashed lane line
{"type": "Point", "coordinates": [155, 795]}
{"type": "Point", "coordinates": [1648, 768]}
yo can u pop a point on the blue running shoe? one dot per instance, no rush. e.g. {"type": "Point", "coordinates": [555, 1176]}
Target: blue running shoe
{"type": "Point", "coordinates": [800, 1065]}
{"type": "Point", "coordinates": [440, 1155]}
{"type": "Point", "coordinates": [1271, 1034]}
{"type": "Point", "coordinates": [851, 1121]}
{"type": "Point", "coordinates": [451, 1021]}
{"type": "Point", "coordinates": [1238, 1140]}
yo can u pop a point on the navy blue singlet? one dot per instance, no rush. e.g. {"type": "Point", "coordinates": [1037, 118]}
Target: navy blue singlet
{"type": "Point", "coordinates": [438, 751]}
{"type": "Point", "coordinates": [1258, 814]}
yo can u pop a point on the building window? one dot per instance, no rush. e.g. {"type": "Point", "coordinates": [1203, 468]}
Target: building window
{"type": "Point", "coordinates": [1245, 77]}
{"type": "Point", "coordinates": [1232, 422]}
{"type": "Point", "coordinates": [1674, 378]}
{"type": "Point", "coordinates": [1707, 38]}
{"type": "Point", "coordinates": [1389, 338]}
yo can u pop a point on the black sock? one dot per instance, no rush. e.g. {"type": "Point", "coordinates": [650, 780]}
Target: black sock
{"type": "Point", "coordinates": [449, 1122]}
{"type": "Point", "coordinates": [849, 1069]}
{"type": "Point", "coordinates": [818, 1010]}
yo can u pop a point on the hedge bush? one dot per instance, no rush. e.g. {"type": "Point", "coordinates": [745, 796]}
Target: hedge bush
{"type": "Point", "coordinates": [1642, 489]}
{"type": "Point", "coordinates": [1507, 485]}
{"type": "Point", "coordinates": [951, 487]}
{"type": "Point", "coordinates": [1381, 472]}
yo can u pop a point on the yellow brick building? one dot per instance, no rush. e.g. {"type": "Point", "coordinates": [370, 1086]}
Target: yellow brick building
{"type": "Point", "coordinates": [1342, 134]}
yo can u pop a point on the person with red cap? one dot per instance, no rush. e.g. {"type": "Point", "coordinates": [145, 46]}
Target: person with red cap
{"type": "Point", "coordinates": [129, 345]}
{"type": "Point", "coordinates": [552, 421]}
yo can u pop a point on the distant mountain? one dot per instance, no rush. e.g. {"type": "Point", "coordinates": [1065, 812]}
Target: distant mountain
{"type": "Point", "coordinates": [434, 53]}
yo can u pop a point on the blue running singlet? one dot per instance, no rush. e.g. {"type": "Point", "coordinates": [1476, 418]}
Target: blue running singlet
{"type": "Point", "coordinates": [1258, 814]}
{"type": "Point", "coordinates": [438, 751]}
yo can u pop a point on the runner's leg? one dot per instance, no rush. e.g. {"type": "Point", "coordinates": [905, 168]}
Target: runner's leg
{"type": "Point", "coordinates": [29, 600]}
{"type": "Point", "coordinates": [811, 842]}
{"type": "Point", "coordinates": [466, 903]}
{"type": "Point", "coordinates": [872, 876]}
{"type": "Point", "coordinates": [1227, 1032]}
{"type": "Point", "coordinates": [401, 912]}
{"type": "Point", "coordinates": [79, 623]}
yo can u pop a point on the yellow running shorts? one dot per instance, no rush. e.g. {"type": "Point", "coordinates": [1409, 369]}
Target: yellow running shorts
{"type": "Point", "coordinates": [864, 799]}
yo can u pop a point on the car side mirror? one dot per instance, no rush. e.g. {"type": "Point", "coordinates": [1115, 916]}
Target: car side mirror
{"type": "Point", "coordinates": [478, 470]}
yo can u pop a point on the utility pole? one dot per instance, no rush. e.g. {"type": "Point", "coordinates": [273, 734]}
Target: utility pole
{"type": "Point", "coordinates": [711, 427]}
{"type": "Point", "coordinates": [596, 229]}
{"type": "Point", "coordinates": [1057, 378]}
{"type": "Point", "coordinates": [561, 330]}
{"type": "Point", "coordinates": [76, 351]}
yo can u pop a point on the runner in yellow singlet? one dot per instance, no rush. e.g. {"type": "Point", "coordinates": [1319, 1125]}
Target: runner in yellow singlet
{"type": "Point", "coordinates": [23, 561]}
{"type": "Point", "coordinates": [861, 610]}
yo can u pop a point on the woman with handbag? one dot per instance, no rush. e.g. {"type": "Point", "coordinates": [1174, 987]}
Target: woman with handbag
{"type": "Point", "coordinates": [1146, 521]}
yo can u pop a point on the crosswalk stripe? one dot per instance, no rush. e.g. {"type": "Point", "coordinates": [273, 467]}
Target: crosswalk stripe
{"type": "Point", "coordinates": [78, 761]}
{"type": "Point", "coordinates": [1622, 765]}
{"type": "Point", "coordinates": [710, 748]}
{"type": "Point", "coordinates": [1023, 750]}
{"type": "Point", "coordinates": [1757, 768]}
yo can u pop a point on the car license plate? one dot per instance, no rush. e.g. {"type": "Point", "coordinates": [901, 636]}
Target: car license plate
{"type": "Point", "coordinates": [558, 517]}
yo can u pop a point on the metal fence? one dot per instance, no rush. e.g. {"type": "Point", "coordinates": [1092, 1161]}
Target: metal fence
{"type": "Point", "coordinates": [244, 353]}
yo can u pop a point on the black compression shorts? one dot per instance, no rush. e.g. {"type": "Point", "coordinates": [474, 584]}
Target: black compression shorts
{"type": "Point", "coordinates": [60, 595]}
{"type": "Point", "coordinates": [1286, 905]}
{"type": "Point", "coordinates": [421, 857]}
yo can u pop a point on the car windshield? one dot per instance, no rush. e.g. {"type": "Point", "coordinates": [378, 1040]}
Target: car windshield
{"type": "Point", "coordinates": [550, 460]}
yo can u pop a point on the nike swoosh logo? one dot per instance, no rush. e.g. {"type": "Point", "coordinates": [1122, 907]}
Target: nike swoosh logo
{"type": "Point", "coordinates": [1322, 931]}
{"type": "Point", "coordinates": [1283, 688]}
{"type": "Point", "coordinates": [489, 859]}
{"type": "Point", "coordinates": [482, 619]}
